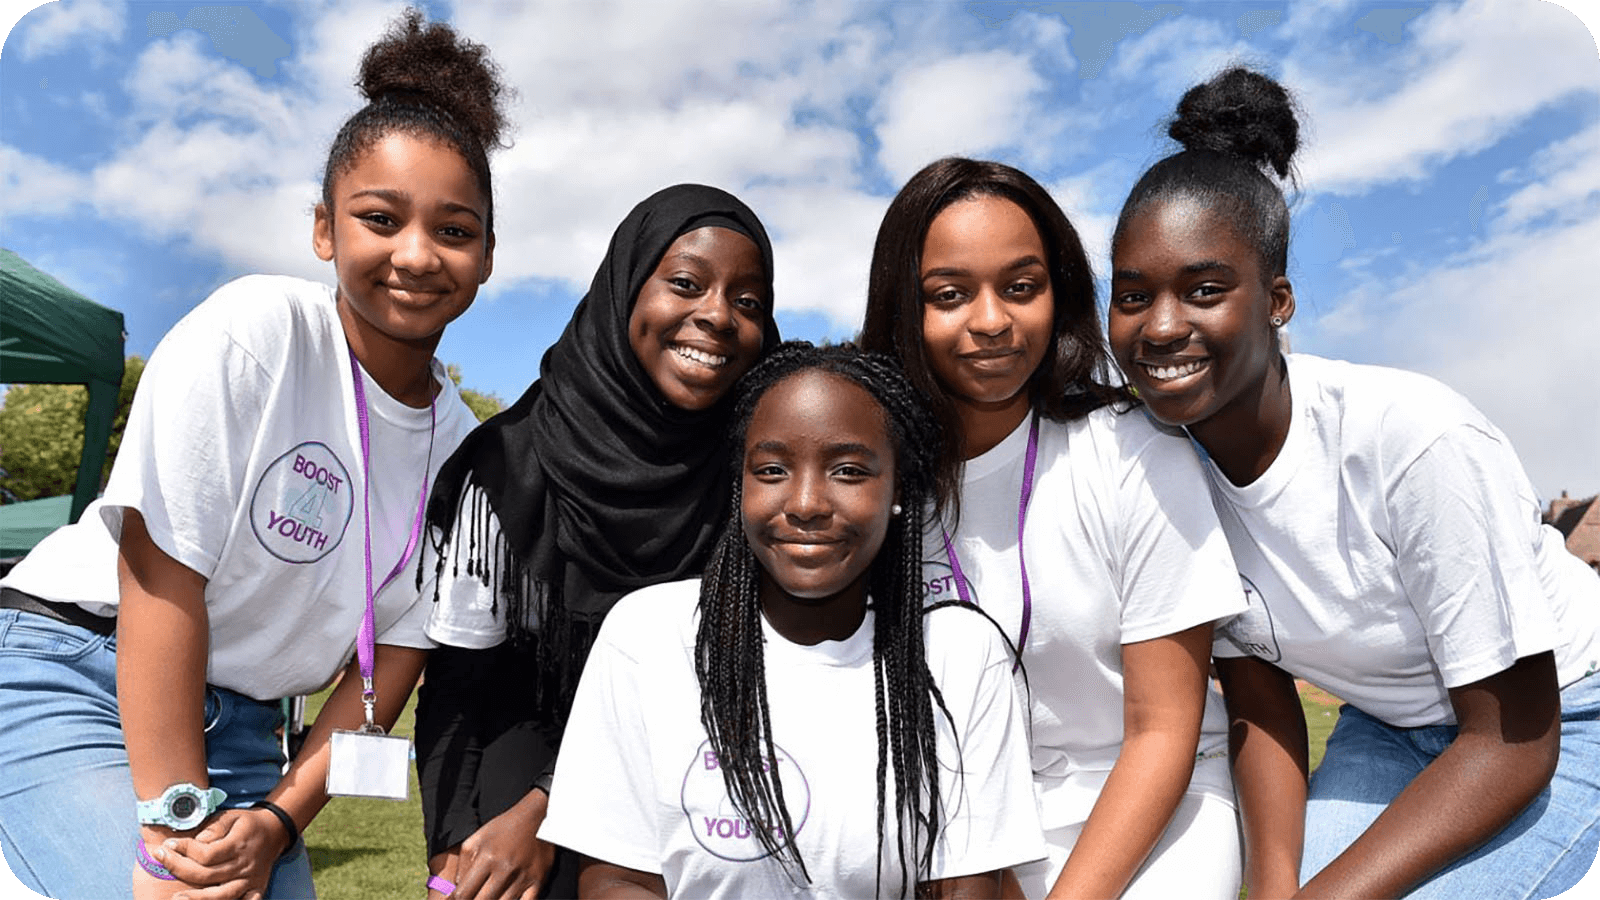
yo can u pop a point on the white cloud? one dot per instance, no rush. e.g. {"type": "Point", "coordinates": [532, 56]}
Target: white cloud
{"type": "Point", "coordinates": [1507, 323]}
{"type": "Point", "coordinates": [970, 105]}
{"type": "Point", "coordinates": [1176, 54]}
{"type": "Point", "coordinates": [1562, 179]}
{"type": "Point", "coordinates": [1468, 74]}
{"type": "Point", "coordinates": [34, 186]}
{"type": "Point", "coordinates": [55, 27]}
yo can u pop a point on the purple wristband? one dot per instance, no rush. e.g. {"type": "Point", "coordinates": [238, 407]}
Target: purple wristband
{"type": "Point", "coordinates": [441, 885]}
{"type": "Point", "coordinates": [148, 863]}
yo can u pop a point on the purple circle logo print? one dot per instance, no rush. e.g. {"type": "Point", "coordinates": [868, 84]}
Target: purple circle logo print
{"type": "Point", "coordinates": [302, 504]}
{"type": "Point", "coordinates": [722, 830]}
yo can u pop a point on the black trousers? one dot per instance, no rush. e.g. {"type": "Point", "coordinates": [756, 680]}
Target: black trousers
{"type": "Point", "coordinates": [481, 744]}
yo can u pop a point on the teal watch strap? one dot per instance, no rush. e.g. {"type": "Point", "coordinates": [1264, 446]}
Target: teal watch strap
{"type": "Point", "coordinates": [181, 807]}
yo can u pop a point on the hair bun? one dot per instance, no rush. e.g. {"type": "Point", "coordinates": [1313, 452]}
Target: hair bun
{"type": "Point", "coordinates": [428, 62]}
{"type": "Point", "coordinates": [1241, 112]}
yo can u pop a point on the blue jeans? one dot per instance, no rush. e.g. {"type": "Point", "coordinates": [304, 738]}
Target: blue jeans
{"type": "Point", "coordinates": [67, 822]}
{"type": "Point", "coordinates": [1542, 853]}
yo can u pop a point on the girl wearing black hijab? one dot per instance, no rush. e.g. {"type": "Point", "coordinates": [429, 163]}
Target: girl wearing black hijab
{"type": "Point", "coordinates": [608, 475]}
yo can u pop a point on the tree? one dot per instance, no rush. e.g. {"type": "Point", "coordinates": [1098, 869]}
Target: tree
{"type": "Point", "coordinates": [41, 434]}
{"type": "Point", "coordinates": [482, 405]}
{"type": "Point", "coordinates": [41, 431]}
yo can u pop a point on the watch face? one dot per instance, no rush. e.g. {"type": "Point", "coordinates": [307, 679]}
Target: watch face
{"type": "Point", "coordinates": [183, 806]}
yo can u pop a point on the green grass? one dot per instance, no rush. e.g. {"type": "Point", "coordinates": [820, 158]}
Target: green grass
{"type": "Point", "coordinates": [373, 848]}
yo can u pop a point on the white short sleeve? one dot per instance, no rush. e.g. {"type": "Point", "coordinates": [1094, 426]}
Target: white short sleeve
{"type": "Point", "coordinates": [1465, 525]}
{"type": "Point", "coordinates": [467, 614]}
{"type": "Point", "coordinates": [991, 820]}
{"type": "Point", "coordinates": [189, 440]}
{"type": "Point", "coordinates": [1176, 570]}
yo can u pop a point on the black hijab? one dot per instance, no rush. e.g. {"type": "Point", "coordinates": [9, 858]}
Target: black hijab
{"type": "Point", "coordinates": [599, 484]}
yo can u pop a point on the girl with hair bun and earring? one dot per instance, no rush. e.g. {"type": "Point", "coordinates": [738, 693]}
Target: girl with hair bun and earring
{"type": "Point", "coordinates": [605, 477]}
{"type": "Point", "coordinates": [731, 733]}
{"type": "Point", "coordinates": [1078, 524]}
{"type": "Point", "coordinates": [1390, 547]}
{"type": "Point", "coordinates": [273, 472]}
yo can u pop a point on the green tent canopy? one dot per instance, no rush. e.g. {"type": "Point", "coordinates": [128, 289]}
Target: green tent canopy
{"type": "Point", "coordinates": [51, 334]}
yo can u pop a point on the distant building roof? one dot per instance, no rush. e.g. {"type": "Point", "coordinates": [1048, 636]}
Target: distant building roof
{"type": "Point", "coordinates": [1579, 523]}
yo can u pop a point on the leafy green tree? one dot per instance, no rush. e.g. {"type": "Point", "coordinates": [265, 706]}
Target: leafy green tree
{"type": "Point", "coordinates": [482, 405]}
{"type": "Point", "coordinates": [41, 430]}
{"type": "Point", "coordinates": [41, 434]}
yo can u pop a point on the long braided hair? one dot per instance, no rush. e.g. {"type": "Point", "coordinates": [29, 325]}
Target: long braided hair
{"type": "Point", "coordinates": [728, 647]}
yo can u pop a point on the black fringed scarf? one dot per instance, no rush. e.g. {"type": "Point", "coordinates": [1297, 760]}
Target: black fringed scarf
{"type": "Point", "coordinates": [600, 486]}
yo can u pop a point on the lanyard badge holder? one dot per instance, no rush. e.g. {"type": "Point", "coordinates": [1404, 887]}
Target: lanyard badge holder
{"type": "Point", "coordinates": [367, 762]}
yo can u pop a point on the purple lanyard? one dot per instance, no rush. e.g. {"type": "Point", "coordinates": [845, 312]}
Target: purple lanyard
{"type": "Point", "coordinates": [962, 590]}
{"type": "Point", "coordinates": [366, 639]}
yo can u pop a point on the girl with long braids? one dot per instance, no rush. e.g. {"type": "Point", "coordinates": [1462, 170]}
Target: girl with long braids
{"type": "Point", "coordinates": [605, 477]}
{"type": "Point", "coordinates": [273, 471]}
{"type": "Point", "coordinates": [1392, 550]}
{"type": "Point", "coordinates": [1079, 525]}
{"type": "Point", "coordinates": [730, 734]}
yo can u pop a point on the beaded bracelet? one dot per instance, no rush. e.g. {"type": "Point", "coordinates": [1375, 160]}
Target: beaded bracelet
{"type": "Point", "coordinates": [146, 862]}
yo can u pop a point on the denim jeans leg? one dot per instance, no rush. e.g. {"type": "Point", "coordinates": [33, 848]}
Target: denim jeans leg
{"type": "Point", "coordinates": [67, 822]}
{"type": "Point", "coordinates": [66, 799]}
{"type": "Point", "coordinates": [244, 759]}
{"type": "Point", "coordinates": [1543, 852]}
{"type": "Point", "coordinates": [1550, 845]}
{"type": "Point", "coordinates": [1365, 766]}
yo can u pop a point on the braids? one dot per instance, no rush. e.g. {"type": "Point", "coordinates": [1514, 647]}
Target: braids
{"type": "Point", "coordinates": [1234, 129]}
{"type": "Point", "coordinates": [728, 646]}
{"type": "Point", "coordinates": [425, 80]}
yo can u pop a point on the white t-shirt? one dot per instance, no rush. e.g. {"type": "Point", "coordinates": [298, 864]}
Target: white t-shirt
{"type": "Point", "coordinates": [1394, 550]}
{"type": "Point", "coordinates": [242, 455]}
{"type": "Point", "coordinates": [1122, 546]}
{"type": "Point", "coordinates": [636, 786]}
{"type": "Point", "coordinates": [467, 613]}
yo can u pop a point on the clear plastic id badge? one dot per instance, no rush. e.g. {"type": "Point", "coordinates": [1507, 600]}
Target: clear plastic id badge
{"type": "Point", "coordinates": [369, 764]}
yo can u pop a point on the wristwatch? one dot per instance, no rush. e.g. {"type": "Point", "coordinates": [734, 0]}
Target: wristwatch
{"type": "Point", "coordinates": [181, 807]}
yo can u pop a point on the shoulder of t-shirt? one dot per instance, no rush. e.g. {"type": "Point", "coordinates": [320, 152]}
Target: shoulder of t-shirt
{"type": "Point", "coordinates": [642, 625]}
{"type": "Point", "coordinates": [1398, 412]}
{"type": "Point", "coordinates": [258, 314]}
{"type": "Point", "coordinates": [1122, 440]}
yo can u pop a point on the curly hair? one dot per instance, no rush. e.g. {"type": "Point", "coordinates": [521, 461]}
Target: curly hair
{"type": "Point", "coordinates": [728, 646]}
{"type": "Point", "coordinates": [1234, 129]}
{"type": "Point", "coordinates": [424, 79]}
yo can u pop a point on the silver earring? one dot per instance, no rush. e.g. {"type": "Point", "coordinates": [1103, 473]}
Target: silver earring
{"type": "Point", "coordinates": [1277, 321]}
{"type": "Point", "coordinates": [895, 510]}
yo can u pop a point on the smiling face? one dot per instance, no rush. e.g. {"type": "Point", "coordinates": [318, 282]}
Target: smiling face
{"type": "Point", "coordinates": [697, 324]}
{"type": "Point", "coordinates": [987, 312]}
{"type": "Point", "coordinates": [406, 236]}
{"type": "Point", "coordinates": [818, 484]}
{"type": "Point", "coordinates": [1190, 320]}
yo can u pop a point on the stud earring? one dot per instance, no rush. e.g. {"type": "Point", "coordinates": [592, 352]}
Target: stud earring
{"type": "Point", "coordinates": [895, 510]}
{"type": "Point", "coordinates": [1277, 321]}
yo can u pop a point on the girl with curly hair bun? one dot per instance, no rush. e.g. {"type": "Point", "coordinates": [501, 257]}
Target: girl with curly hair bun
{"type": "Point", "coordinates": [795, 722]}
{"type": "Point", "coordinates": [1083, 528]}
{"type": "Point", "coordinates": [241, 546]}
{"type": "Point", "coordinates": [1390, 547]}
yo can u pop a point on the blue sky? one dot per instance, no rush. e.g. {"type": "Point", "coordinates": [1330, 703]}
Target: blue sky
{"type": "Point", "coordinates": [1447, 221]}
